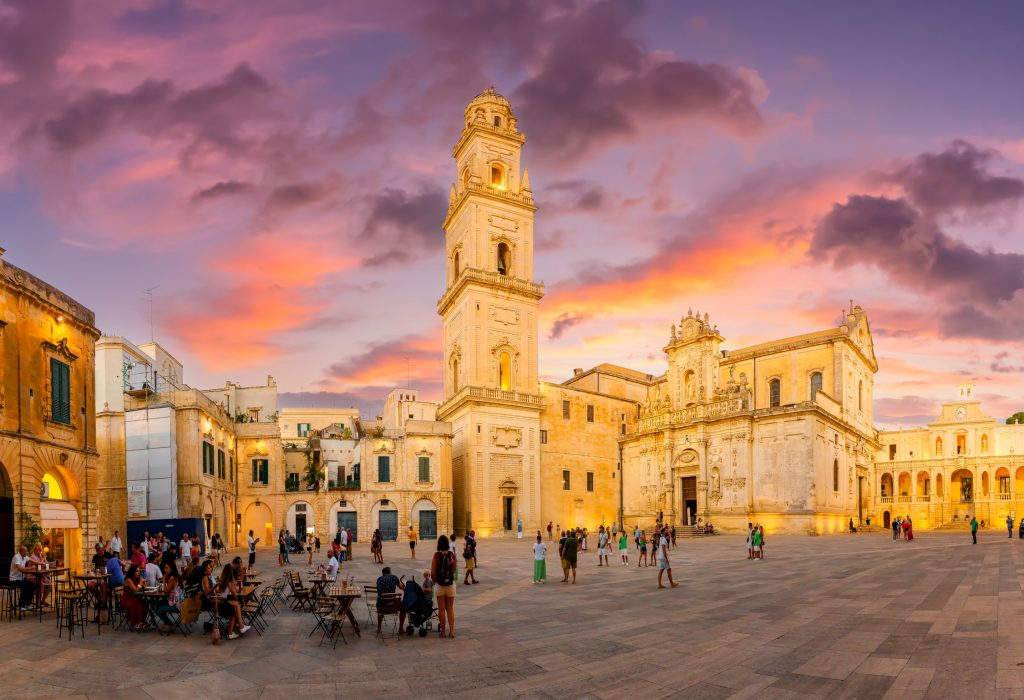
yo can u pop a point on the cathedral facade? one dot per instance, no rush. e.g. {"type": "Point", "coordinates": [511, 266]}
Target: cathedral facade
{"type": "Point", "coordinates": [779, 433]}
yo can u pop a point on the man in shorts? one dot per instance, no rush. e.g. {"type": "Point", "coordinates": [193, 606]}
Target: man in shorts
{"type": "Point", "coordinates": [602, 546]}
{"type": "Point", "coordinates": [663, 563]}
{"type": "Point", "coordinates": [469, 554]}
{"type": "Point", "coordinates": [567, 551]}
{"type": "Point", "coordinates": [252, 549]}
{"type": "Point", "coordinates": [412, 542]}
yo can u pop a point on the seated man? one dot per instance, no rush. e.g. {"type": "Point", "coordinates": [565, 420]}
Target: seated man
{"type": "Point", "coordinates": [388, 583]}
{"type": "Point", "coordinates": [332, 564]}
{"type": "Point", "coordinates": [21, 565]}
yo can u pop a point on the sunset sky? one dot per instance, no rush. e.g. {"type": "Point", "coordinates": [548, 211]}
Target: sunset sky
{"type": "Point", "coordinates": [279, 172]}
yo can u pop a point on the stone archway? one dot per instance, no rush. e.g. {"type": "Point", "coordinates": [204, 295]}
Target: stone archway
{"type": "Point", "coordinates": [6, 521]}
{"type": "Point", "coordinates": [260, 520]}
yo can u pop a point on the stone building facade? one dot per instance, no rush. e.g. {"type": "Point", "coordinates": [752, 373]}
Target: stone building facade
{"type": "Point", "coordinates": [964, 464]}
{"type": "Point", "coordinates": [48, 455]}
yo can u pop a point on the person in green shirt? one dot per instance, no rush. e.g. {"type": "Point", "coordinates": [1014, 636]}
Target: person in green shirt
{"type": "Point", "coordinates": [624, 549]}
{"type": "Point", "coordinates": [974, 529]}
{"type": "Point", "coordinates": [568, 553]}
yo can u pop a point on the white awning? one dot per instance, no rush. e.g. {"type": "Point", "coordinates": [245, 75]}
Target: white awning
{"type": "Point", "coordinates": [58, 514]}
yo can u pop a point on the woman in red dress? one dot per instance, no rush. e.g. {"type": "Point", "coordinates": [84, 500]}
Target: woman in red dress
{"type": "Point", "coordinates": [133, 607]}
{"type": "Point", "coordinates": [908, 529]}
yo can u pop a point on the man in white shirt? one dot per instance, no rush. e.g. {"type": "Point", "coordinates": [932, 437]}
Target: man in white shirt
{"type": "Point", "coordinates": [183, 547]}
{"type": "Point", "coordinates": [332, 565]}
{"type": "Point", "coordinates": [344, 543]}
{"type": "Point", "coordinates": [20, 565]}
{"type": "Point", "coordinates": [252, 549]}
{"type": "Point", "coordinates": [663, 564]}
{"type": "Point", "coordinates": [152, 573]}
{"type": "Point", "coordinates": [115, 544]}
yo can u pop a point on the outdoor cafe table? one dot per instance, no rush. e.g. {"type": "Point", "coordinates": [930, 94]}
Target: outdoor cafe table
{"type": "Point", "coordinates": [319, 583]}
{"type": "Point", "coordinates": [38, 574]}
{"type": "Point", "coordinates": [345, 597]}
{"type": "Point", "coordinates": [152, 599]}
{"type": "Point", "coordinates": [101, 582]}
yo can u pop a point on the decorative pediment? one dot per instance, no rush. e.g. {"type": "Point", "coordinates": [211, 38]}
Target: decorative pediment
{"type": "Point", "coordinates": [506, 437]}
{"type": "Point", "coordinates": [504, 344]}
{"type": "Point", "coordinates": [383, 446]}
{"type": "Point", "coordinates": [60, 348]}
{"type": "Point", "coordinates": [508, 487]}
{"type": "Point", "coordinates": [424, 452]}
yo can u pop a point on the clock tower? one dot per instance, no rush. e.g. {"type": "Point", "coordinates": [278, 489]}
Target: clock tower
{"type": "Point", "coordinates": [489, 313]}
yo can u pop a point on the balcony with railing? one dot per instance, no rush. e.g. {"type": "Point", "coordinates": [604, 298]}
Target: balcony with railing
{"type": "Point", "coordinates": [291, 485]}
{"type": "Point", "coordinates": [904, 499]}
{"type": "Point", "coordinates": [1005, 496]}
{"type": "Point", "coordinates": [886, 499]}
{"type": "Point", "coordinates": [346, 485]}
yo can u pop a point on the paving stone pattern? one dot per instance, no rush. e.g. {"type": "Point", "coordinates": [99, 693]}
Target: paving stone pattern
{"type": "Point", "coordinates": [852, 616]}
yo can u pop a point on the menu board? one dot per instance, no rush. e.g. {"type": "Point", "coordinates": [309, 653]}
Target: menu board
{"type": "Point", "coordinates": [137, 502]}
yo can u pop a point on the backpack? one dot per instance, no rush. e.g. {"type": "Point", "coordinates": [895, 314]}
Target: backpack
{"type": "Point", "coordinates": [445, 569]}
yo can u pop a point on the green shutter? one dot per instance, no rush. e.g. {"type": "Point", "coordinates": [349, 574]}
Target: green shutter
{"type": "Point", "coordinates": [60, 398]}
{"type": "Point", "coordinates": [264, 471]}
{"type": "Point", "coordinates": [383, 468]}
{"type": "Point", "coordinates": [424, 468]}
{"type": "Point", "coordinates": [255, 471]}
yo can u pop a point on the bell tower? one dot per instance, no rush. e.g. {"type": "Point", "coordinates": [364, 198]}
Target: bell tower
{"type": "Point", "coordinates": [489, 313]}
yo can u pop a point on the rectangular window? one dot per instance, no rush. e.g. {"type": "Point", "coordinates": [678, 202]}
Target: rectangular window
{"type": "Point", "coordinates": [590, 481]}
{"type": "Point", "coordinates": [254, 415]}
{"type": "Point", "coordinates": [892, 452]}
{"type": "Point", "coordinates": [565, 410]}
{"type": "Point", "coordinates": [303, 429]}
{"type": "Point", "coordinates": [961, 444]}
{"type": "Point", "coordinates": [590, 413]}
{"type": "Point", "coordinates": [221, 468]}
{"type": "Point", "coordinates": [543, 437]}
{"type": "Point", "coordinates": [565, 479]}
{"type": "Point", "coordinates": [207, 458]}
{"type": "Point", "coordinates": [60, 391]}
{"type": "Point", "coordinates": [424, 468]}
{"type": "Point", "coordinates": [383, 468]}
{"type": "Point", "coordinates": [231, 467]}
{"type": "Point", "coordinates": [261, 471]}
{"type": "Point", "coordinates": [1004, 484]}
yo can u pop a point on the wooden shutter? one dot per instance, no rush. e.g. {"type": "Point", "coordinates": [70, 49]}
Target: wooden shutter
{"type": "Point", "coordinates": [60, 384]}
{"type": "Point", "coordinates": [383, 468]}
{"type": "Point", "coordinates": [424, 468]}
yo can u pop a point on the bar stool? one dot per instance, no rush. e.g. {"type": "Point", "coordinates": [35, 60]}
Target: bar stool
{"type": "Point", "coordinates": [10, 596]}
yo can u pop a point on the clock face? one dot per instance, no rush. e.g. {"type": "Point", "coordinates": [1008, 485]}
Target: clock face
{"type": "Point", "coordinates": [961, 412]}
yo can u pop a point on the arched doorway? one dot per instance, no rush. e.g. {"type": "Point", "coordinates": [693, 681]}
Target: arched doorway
{"type": "Point", "coordinates": [300, 519]}
{"type": "Point", "coordinates": [6, 522]}
{"type": "Point", "coordinates": [343, 515]}
{"type": "Point", "coordinates": [508, 490]}
{"type": "Point", "coordinates": [424, 518]}
{"type": "Point", "coordinates": [260, 520]}
{"type": "Point", "coordinates": [61, 536]}
{"type": "Point", "coordinates": [385, 514]}
{"type": "Point", "coordinates": [886, 520]}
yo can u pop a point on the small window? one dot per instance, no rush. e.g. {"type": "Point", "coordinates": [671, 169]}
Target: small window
{"type": "Point", "coordinates": [543, 437]}
{"type": "Point", "coordinates": [565, 409]}
{"type": "Point", "coordinates": [231, 468]}
{"type": "Point", "coordinates": [303, 429]}
{"type": "Point", "coordinates": [261, 471]}
{"type": "Point", "coordinates": [60, 392]}
{"type": "Point", "coordinates": [465, 179]}
{"type": "Point", "coordinates": [497, 176]}
{"type": "Point", "coordinates": [1004, 485]}
{"type": "Point", "coordinates": [775, 393]}
{"type": "Point", "coordinates": [455, 265]}
{"type": "Point", "coordinates": [815, 384]}
{"type": "Point", "coordinates": [208, 458]}
{"type": "Point", "coordinates": [565, 479]}
{"type": "Point", "coordinates": [497, 120]}
{"type": "Point", "coordinates": [383, 468]}
{"type": "Point", "coordinates": [424, 468]}
{"type": "Point", "coordinates": [892, 452]}
{"type": "Point", "coordinates": [835, 475]}
{"type": "Point", "coordinates": [455, 376]}
{"type": "Point", "coordinates": [961, 444]}
{"type": "Point", "coordinates": [590, 413]}
{"type": "Point", "coordinates": [222, 471]}
{"type": "Point", "coordinates": [504, 260]}
{"type": "Point", "coordinates": [254, 415]}
{"type": "Point", "coordinates": [590, 481]}
{"type": "Point", "coordinates": [505, 371]}
{"type": "Point", "coordinates": [860, 395]}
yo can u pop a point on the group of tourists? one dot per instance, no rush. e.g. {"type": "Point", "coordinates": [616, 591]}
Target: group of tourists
{"type": "Point", "coordinates": [755, 541]}
{"type": "Point", "coordinates": [570, 545]}
{"type": "Point", "coordinates": [902, 529]}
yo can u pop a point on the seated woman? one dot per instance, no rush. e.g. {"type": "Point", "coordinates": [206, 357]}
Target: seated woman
{"type": "Point", "coordinates": [38, 560]}
{"type": "Point", "coordinates": [172, 589]}
{"type": "Point", "coordinates": [133, 607]}
{"type": "Point", "coordinates": [224, 594]}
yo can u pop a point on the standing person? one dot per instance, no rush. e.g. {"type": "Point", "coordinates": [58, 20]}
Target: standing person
{"type": "Point", "coordinates": [287, 546]}
{"type": "Point", "coordinates": [184, 547]}
{"type": "Point", "coordinates": [280, 547]}
{"type": "Point", "coordinates": [602, 546]}
{"type": "Point", "coordinates": [375, 547]}
{"type": "Point", "coordinates": [642, 561]}
{"type": "Point", "coordinates": [519, 528]}
{"type": "Point", "coordinates": [115, 544]}
{"type": "Point", "coordinates": [1009, 526]}
{"type": "Point", "coordinates": [624, 548]}
{"type": "Point", "coordinates": [568, 554]}
{"type": "Point", "coordinates": [252, 549]}
{"type": "Point", "coordinates": [558, 529]}
{"type": "Point", "coordinates": [455, 551]}
{"type": "Point", "coordinates": [760, 541]}
{"type": "Point", "coordinates": [636, 536]}
{"type": "Point", "coordinates": [412, 542]}
{"type": "Point", "coordinates": [907, 527]}
{"type": "Point", "coordinates": [549, 531]}
{"type": "Point", "coordinates": [755, 542]}
{"type": "Point", "coordinates": [343, 540]}
{"type": "Point", "coordinates": [895, 529]}
{"type": "Point", "coordinates": [442, 571]}
{"type": "Point", "coordinates": [540, 564]}
{"type": "Point", "coordinates": [673, 533]}
{"type": "Point", "coordinates": [750, 540]}
{"type": "Point", "coordinates": [309, 549]}
{"type": "Point", "coordinates": [469, 555]}
{"type": "Point", "coordinates": [974, 529]}
{"type": "Point", "coordinates": [1021, 529]}
{"type": "Point", "coordinates": [663, 562]}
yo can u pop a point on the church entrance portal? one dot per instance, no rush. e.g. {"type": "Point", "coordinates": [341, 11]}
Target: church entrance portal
{"type": "Point", "coordinates": [886, 520]}
{"type": "Point", "coordinates": [688, 489]}
{"type": "Point", "coordinates": [507, 521]}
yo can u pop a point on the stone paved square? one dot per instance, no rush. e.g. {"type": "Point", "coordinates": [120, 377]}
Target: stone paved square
{"type": "Point", "coordinates": [852, 616]}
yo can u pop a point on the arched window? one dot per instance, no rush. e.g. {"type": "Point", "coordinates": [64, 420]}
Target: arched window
{"type": "Point", "coordinates": [775, 393]}
{"type": "Point", "coordinates": [497, 120]}
{"type": "Point", "coordinates": [497, 176]}
{"type": "Point", "coordinates": [465, 179]}
{"type": "Point", "coordinates": [984, 444]}
{"type": "Point", "coordinates": [504, 259]}
{"type": "Point", "coordinates": [505, 371]}
{"type": "Point", "coordinates": [938, 447]}
{"type": "Point", "coordinates": [815, 384]}
{"type": "Point", "coordinates": [835, 475]}
{"type": "Point", "coordinates": [455, 375]}
{"type": "Point", "coordinates": [455, 265]}
{"type": "Point", "coordinates": [860, 395]}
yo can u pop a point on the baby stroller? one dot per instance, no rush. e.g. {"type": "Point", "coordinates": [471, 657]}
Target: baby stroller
{"type": "Point", "coordinates": [418, 608]}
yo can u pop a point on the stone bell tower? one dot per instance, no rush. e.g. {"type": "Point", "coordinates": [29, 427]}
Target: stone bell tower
{"type": "Point", "coordinates": [489, 313]}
